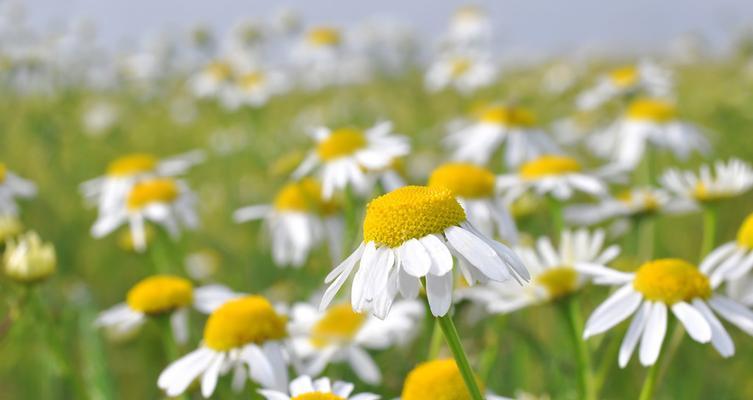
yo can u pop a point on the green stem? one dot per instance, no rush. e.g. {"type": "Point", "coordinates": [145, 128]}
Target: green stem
{"type": "Point", "coordinates": [653, 376]}
{"type": "Point", "coordinates": [570, 307]}
{"type": "Point", "coordinates": [435, 343]}
{"type": "Point", "coordinates": [557, 215]}
{"type": "Point", "coordinates": [609, 355]}
{"type": "Point", "coordinates": [453, 341]}
{"type": "Point", "coordinates": [710, 215]}
{"type": "Point", "coordinates": [646, 235]}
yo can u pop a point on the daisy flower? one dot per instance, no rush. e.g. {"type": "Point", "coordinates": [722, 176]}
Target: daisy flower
{"type": "Point", "coordinates": [463, 72]}
{"type": "Point", "coordinates": [243, 335]}
{"type": "Point", "coordinates": [410, 235]}
{"type": "Point", "coordinates": [343, 154]}
{"type": "Point", "coordinates": [438, 379]}
{"type": "Point", "coordinates": [558, 176]}
{"type": "Point", "coordinates": [474, 189]}
{"type": "Point", "coordinates": [555, 272]}
{"type": "Point", "coordinates": [659, 285]}
{"type": "Point", "coordinates": [734, 259]}
{"type": "Point", "coordinates": [299, 220]}
{"type": "Point", "coordinates": [321, 59]}
{"type": "Point", "coordinates": [253, 88]}
{"type": "Point", "coordinates": [724, 181]}
{"type": "Point", "coordinates": [12, 187]}
{"type": "Point", "coordinates": [109, 191]}
{"type": "Point", "coordinates": [648, 121]}
{"type": "Point", "coordinates": [646, 76]}
{"type": "Point", "coordinates": [469, 26]}
{"type": "Point", "coordinates": [634, 203]}
{"type": "Point", "coordinates": [304, 388]}
{"type": "Point", "coordinates": [340, 334]}
{"type": "Point", "coordinates": [155, 296]}
{"type": "Point", "coordinates": [27, 259]}
{"type": "Point", "coordinates": [493, 126]}
{"type": "Point", "coordinates": [163, 201]}
{"type": "Point", "coordinates": [212, 79]}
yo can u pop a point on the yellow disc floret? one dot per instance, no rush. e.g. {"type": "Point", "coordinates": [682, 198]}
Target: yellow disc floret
{"type": "Point", "coordinates": [625, 76]}
{"type": "Point", "coordinates": [250, 319]}
{"type": "Point", "coordinates": [652, 110]}
{"type": "Point", "coordinates": [508, 116]}
{"type": "Point", "coordinates": [644, 202]}
{"type": "Point", "coordinates": [317, 396]}
{"type": "Point", "coordinates": [745, 234]}
{"type": "Point", "coordinates": [324, 36]}
{"type": "Point", "coordinates": [558, 281]}
{"type": "Point", "coordinates": [3, 172]}
{"type": "Point", "coordinates": [464, 180]}
{"type": "Point", "coordinates": [671, 280]}
{"type": "Point", "coordinates": [435, 380]}
{"type": "Point", "coordinates": [132, 164]}
{"type": "Point", "coordinates": [339, 324]}
{"type": "Point", "coordinates": [548, 166]}
{"type": "Point", "coordinates": [410, 212]}
{"type": "Point", "coordinates": [304, 196]}
{"type": "Point", "coordinates": [160, 294]}
{"type": "Point", "coordinates": [161, 190]}
{"type": "Point", "coordinates": [341, 142]}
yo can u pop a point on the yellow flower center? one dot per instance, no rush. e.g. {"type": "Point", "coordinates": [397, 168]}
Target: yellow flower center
{"type": "Point", "coordinates": [324, 36]}
{"type": "Point", "coordinates": [549, 165]}
{"type": "Point", "coordinates": [159, 294]}
{"type": "Point", "coordinates": [3, 172]}
{"type": "Point", "coordinates": [250, 319]}
{"type": "Point", "coordinates": [410, 212]}
{"type": "Point", "coordinates": [509, 116]}
{"type": "Point", "coordinates": [459, 66]}
{"type": "Point", "coordinates": [703, 194]}
{"type": "Point", "coordinates": [435, 380]}
{"type": "Point", "coordinates": [251, 80]}
{"type": "Point", "coordinates": [132, 164]}
{"type": "Point", "coordinates": [652, 110]}
{"type": "Point", "coordinates": [317, 396]}
{"type": "Point", "coordinates": [339, 324]}
{"type": "Point", "coordinates": [559, 281]}
{"type": "Point", "coordinates": [341, 142]}
{"type": "Point", "coordinates": [219, 70]}
{"type": "Point", "coordinates": [649, 202]}
{"type": "Point", "coordinates": [670, 280]}
{"type": "Point", "coordinates": [624, 77]}
{"type": "Point", "coordinates": [464, 180]}
{"type": "Point", "coordinates": [160, 190]}
{"type": "Point", "coordinates": [745, 234]}
{"type": "Point", "coordinates": [304, 196]}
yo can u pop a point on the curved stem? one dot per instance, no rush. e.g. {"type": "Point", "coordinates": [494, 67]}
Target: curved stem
{"type": "Point", "coordinates": [453, 341]}
{"type": "Point", "coordinates": [710, 214]}
{"type": "Point", "coordinates": [571, 309]}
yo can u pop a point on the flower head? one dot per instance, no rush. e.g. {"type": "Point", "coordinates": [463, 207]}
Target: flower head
{"type": "Point", "coordinates": [724, 181]}
{"type": "Point", "coordinates": [304, 388]}
{"type": "Point", "coordinates": [27, 259]}
{"type": "Point", "coordinates": [555, 175]}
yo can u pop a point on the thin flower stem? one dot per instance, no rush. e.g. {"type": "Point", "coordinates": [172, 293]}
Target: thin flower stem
{"type": "Point", "coordinates": [453, 342]}
{"type": "Point", "coordinates": [570, 307]}
{"type": "Point", "coordinates": [435, 343]}
{"type": "Point", "coordinates": [646, 234]}
{"type": "Point", "coordinates": [710, 215]}
{"type": "Point", "coordinates": [557, 215]}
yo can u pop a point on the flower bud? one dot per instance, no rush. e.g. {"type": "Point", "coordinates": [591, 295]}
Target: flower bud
{"type": "Point", "coordinates": [28, 259]}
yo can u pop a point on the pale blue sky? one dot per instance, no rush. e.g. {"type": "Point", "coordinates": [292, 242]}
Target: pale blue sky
{"type": "Point", "coordinates": [528, 26]}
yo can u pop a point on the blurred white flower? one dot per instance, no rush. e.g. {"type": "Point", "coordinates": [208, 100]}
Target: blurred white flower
{"type": "Point", "coordinates": [463, 72]}
{"type": "Point", "coordinates": [98, 118]}
{"type": "Point", "coordinates": [646, 78]}
{"type": "Point", "coordinates": [27, 259]}
{"type": "Point", "coordinates": [13, 187]}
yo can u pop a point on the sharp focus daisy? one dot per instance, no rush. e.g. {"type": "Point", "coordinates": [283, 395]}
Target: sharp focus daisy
{"type": "Point", "coordinates": [711, 184]}
{"type": "Point", "coordinates": [438, 379]}
{"type": "Point", "coordinates": [304, 388]}
{"type": "Point", "coordinates": [13, 187]}
{"type": "Point", "coordinates": [299, 220]}
{"type": "Point", "coordinates": [493, 126]}
{"type": "Point", "coordinates": [474, 188]}
{"type": "Point", "coordinates": [645, 77]}
{"type": "Point", "coordinates": [243, 336]}
{"type": "Point", "coordinates": [155, 296]}
{"type": "Point", "coordinates": [340, 334]}
{"type": "Point", "coordinates": [648, 122]}
{"type": "Point", "coordinates": [342, 155]}
{"type": "Point", "coordinates": [558, 176]}
{"type": "Point", "coordinates": [555, 272]}
{"type": "Point", "coordinates": [410, 236]}
{"type": "Point", "coordinates": [163, 201]}
{"type": "Point", "coordinates": [463, 72]}
{"type": "Point", "coordinates": [648, 293]}
{"type": "Point", "coordinates": [734, 259]}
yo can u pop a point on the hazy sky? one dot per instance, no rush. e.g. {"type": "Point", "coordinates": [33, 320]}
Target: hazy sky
{"type": "Point", "coordinates": [523, 26]}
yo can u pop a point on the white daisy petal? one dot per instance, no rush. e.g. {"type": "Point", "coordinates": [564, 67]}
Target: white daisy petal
{"type": "Point", "coordinates": [653, 334]}
{"type": "Point", "coordinates": [693, 321]}
{"type": "Point", "coordinates": [634, 334]}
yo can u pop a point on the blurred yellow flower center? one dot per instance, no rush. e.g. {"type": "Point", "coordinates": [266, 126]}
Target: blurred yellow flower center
{"type": "Point", "coordinates": [468, 13]}
{"type": "Point", "coordinates": [559, 281]}
{"type": "Point", "coordinates": [132, 164]}
{"type": "Point", "coordinates": [152, 191]}
{"type": "Point", "coordinates": [549, 165]}
{"type": "Point", "coordinates": [464, 180]}
{"type": "Point", "coordinates": [459, 66]}
{"type": "Point", "coordinates": [704, 194]}
{"type": "Point", "coordinates": [339, 324]}
{"type": "Point", "coordinates": [625, 76]}
{"type": "Point", "coordinates": [3, 172]}
{"type": "Point", "coordinates": [159, 294]}
{"type": "Point", "coordinates": [324, 36]}
{"type": "Point", "coordinates": [651, 110]}
{"type": "Point", "coordinates": [410, 212]}
{"type": "Point", "coordinates": [250, 319]}
{"type": "Point", "coordinates": [745, 234]}
{"type": "Point", "coordinates": [251, 80]}
{"type": "Point", "coordinates": [509, 116]}
{"type": "Point", "coordinates": [304, 196]}
{"type": "Point", "coordinates": [647, 201]}
{"type": "Point", "coordinates": [317, 396]}
{"type": "Point", "coordinates": [219, 71]}
{"type": "Point", "coordinates": [671, 280]}
{"type": "Point", "coordinates": [435, 380]}
{"type": "Point", "coordinates": [341, 142]}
